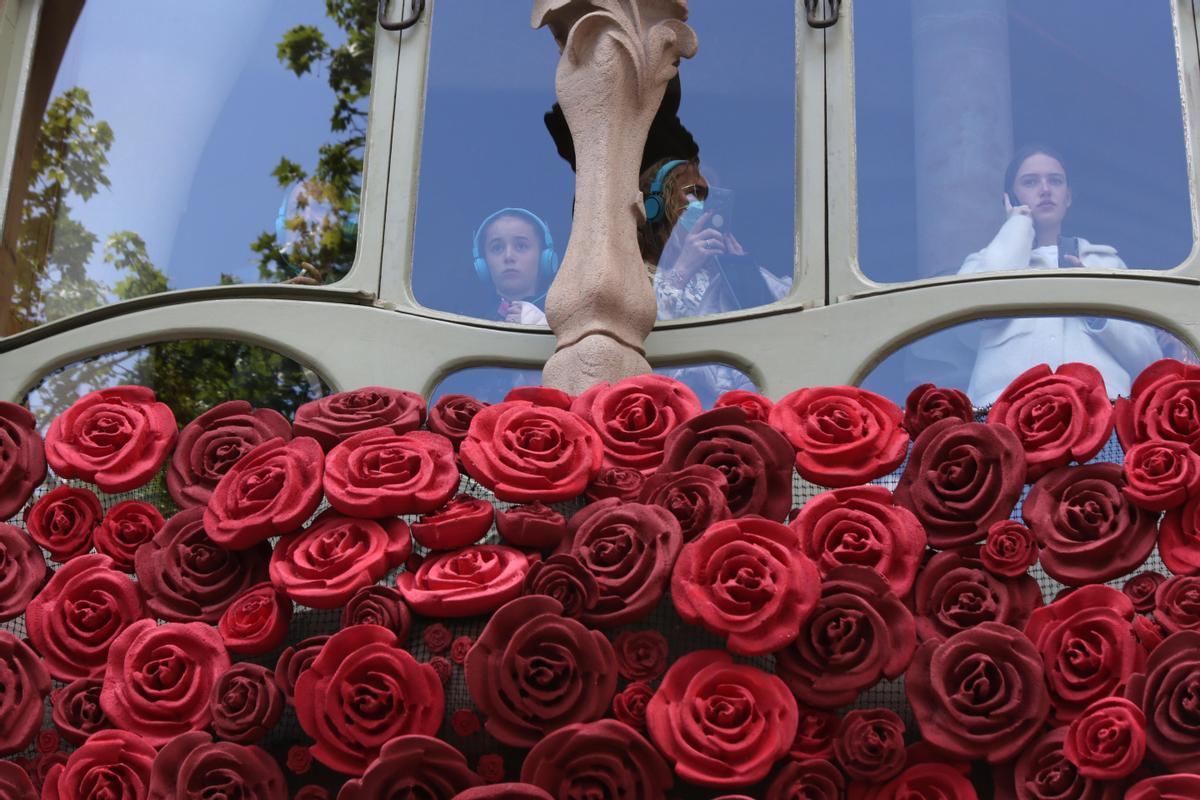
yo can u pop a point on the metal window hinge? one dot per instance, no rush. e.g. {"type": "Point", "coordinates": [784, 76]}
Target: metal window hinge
{"type": "Point", "coordinates": [822, 13]}
{"type": "Point", "coordinates": [404, 24]}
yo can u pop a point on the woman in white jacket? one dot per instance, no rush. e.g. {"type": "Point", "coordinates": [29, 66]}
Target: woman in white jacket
{"type": "Point", "coordinates": [1036, 198]}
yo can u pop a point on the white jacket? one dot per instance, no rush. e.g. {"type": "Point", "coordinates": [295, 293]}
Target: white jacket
{"type": "Point", "coordinates": [1007, 347]}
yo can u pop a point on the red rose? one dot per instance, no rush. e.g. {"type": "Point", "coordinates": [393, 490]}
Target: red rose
{"type": "Point", "coordinates": [464, 723]}
{"type": "Point", "coordinates": [337, 417]}
{"type": "Point", "coordinates": [961, 478]}
{"type": "Point", "coordinates": [642, 655]}
{"type": "Point", "coordinates": [869, 744]}
{"type": "Point", "coordinates": [757, 407]}
{"type": "Point", "coordinates": [1160, 476]}
{"type": "Point", "coordinates": [116, 763]}
{"type": "Point", "coordinates": [1088, 647]}
{"type": "Point", "coordinates": [842, 435]}
{"type": "Point", "coordinates": [1088, 530]}
{"type": "Point", "coordinates": [622, 482]}
{"type": "Point", "coordinates": [748, 581]}
{"type": "Point", "coordinates": [954, 593]}
{"type": "Point", "coordinates": [115, 438]}
{"type": "Point", "coordinates": [443, 668]}
{"type": "Point", "coordinates": [312, 791]}
{"type": "Point", "coordinates": [1166, 693]}
{"type": "Point", "coordinates": [535, 525]}
{"type": "Point", "coordinates": [694, 495]}
{"type": "Point", "coordinates": [634, 417]}
{"type": "Point", "coordinates": [1165, 787]}
{"type": "Point", "coordinates": [187, 577]}
{"type": "Point", "coordinates": [861, 525]}
{"type": "Point", "coordinates": [629, 705]}
{"type": "Point", "coordinates": [213, 442]}
{"type": "Point", "coordinates": [755, 459]}
{"type": "Point", "coordinates": [533, 670]}
{"type": "Point", "coordinates": [47, 741]}
{"type": "Point", "coordinates": [572, 761]}
{"type": "Point", "coordinates": [1177, 603]}
{"type": "Point", "coordinates": [1059, 417]}
{"type": "Point", "coordinates": [15, 783]}
{"type": "Point", "coordinates": [504, 791]}
{"type": "Point", "coordinates": [808, 779]}
{"type": "Point", "coordinates": [73, 621]}
{"type": "Point", "coordinates": [814, 734]}
{"type": "Point", "coordinates": [62, 521]}
{"type": "Point", "coordinates": [930, 780]}
{"type": "Point", "coordinates": [525, 453]}
{"type": "Point", "coordinates": [24, 684]}
{"type": "Point", "coordinates": [980, 693]}
{"type": "Point", "coordinates": [437, 637]}
{"type": "Point", "coordinates": [463, 583]}
{"type": "Point", "coordinates": [378, 605]}
{"type": "Point", "coordinates": [193, 765]}
{"type": "Point", "coordinates": [75, 710]}
{"type": "Point", "coordinates": [491, 768]}
{"type": "Point", "coordinates": [463, 521]}
{"type": "Point", "coordinates": [927, 404]}
{"type": "Point", "coordinates": [858, 633]}
{"type": "Point", "coordinates": [378, 473]}
{"type": "Point", "coordinates": [451, 416]}
{"type": "Point", "coordinates": [1140, 590]}
{"type": "Point", "coordinates": [256, 622]}
{"type": "Point", "coordinates": [541, 396]}
{"type": "Point", "coordinates": [270, 491]}
{"type": "Point", "coordinates": [22, 458]}
{"type": "Point", "coordinates": [1009, 549]}
{"type": "Point", "coordinates": [1108, 740]}
{"type": "Point", "coordinates": [246, 703]}
{"type": "Point", "coordinates": [629, 549]}
{"type": "Point", "coordinates": [22, 571]}
{"type": "Point", "coordinates": [1179, 538]}
{"type": "Point", "coordinates": [459, 649]}
{"type": "Point", "coordinates": [413, 766]}
{"type": "Point", "coordinates": [126, 527]}
{"type": "Point", "coordinates": [565, 579]}
{"type": "Point", "coordinates": [362, 690]}
{"type": "Point", "coordinates": [299, 760]}
{"type": "Point", "coordinates": [1163, 405]}
{"type": "Point", "coordinates": [293, 661]}
{"type": "Point", "coordinates": [1148, 632]}
{"type": "Point", "coordinates": [1043, 772]}
{"type": "Point", "coordinates": [323, 565]}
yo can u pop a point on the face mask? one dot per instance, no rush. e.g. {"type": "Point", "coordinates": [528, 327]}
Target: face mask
{"type": "Point", "coordinates": [691, 215]}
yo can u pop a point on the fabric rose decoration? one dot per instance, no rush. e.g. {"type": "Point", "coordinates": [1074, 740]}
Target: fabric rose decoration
{"type": "Point", "coordinates": [115, 438]}
{"type": "Point", "coordinates": [118, 763]}
{"type": "Point", "coordinates": [22, 571]}
{"type": "Point", "coordinates": [378, 605]}
{"type": "Point", "coordinates": [451, 416]}
{"type": "Point", "coordinates": [1177, 603]}
{"type": "Point", "coordinates": [504, 791]}
{"type": "Point", "coordinates": [532, 670]}
{"type": "Point", "coordinates": [24, 684]}
{"type": "Point", "coordinates": [564, 578]}
{"type": "Point", "coordinates": [955, 592]}
{"type": "Point", "coordinates": [869, 744]}
{"type": "Point", "coordinates": [463, 521]}
{"type": "Point", "coordinates": [1009, 550]}
{"type": "Point", "coordinates": [256, 622]}
{"type": "Point", "coordinates": [1043, 771]}
{"type": "Point", "coordinates": [463, 583]}
{"type": "Point", "coordinates": [535, 525]}
{"type": "Point", "coordinates": [1166, 693]}
{"type": "Point", "coordinates": [629, 705]}
{"type": "Point", "coordinates": [1165, 787]}
{"type": "Point", "coordinates": [1163, 405]}
{"type": "Point", "coordinates": [757, 407]}
{"type": "Point", "coordinates": [694, 495]}
{"type": "Point", "coordinates": [932, 780]}
{"type": "Point", "coordinates": [814, 734]}
{"type": "Point", "coordinates": [126, 527]}
{"type": "Point", "coordinates": [541, 396]}
{"type": "Point", "coordinates": [573, 760]}
{"type": "Point", "coordinates": [810, 779]}
{"type": "Point", "coordinates": [1179, 538]}
{"type": "Point", "coordinates": [842, 435]}
{"type": "Point", "coordinates": [634, 417]}
{"type": "Point", "coordinates": [927, 404]}
{"type": "Point", "coordinates": [1108, 740]}
{"type": "Point", "coordinates": [1140, 590]}
{"type": "Point", "coordinates": [525, 453]}
{"type": "Point", "coordinates": [362, 690]}
{"type": "Point", "coordinates": [1160, 476]}
{"type": "Point", "coordinates": [413, 765]}
{"type": "Point", "coordinates": [337, 417]}
{"type": "Point", "coordinates": [193, 765]}
{"type": "Point", "coordinates": [15, 783]}
{"type": "Point", "coordinates": [22, 458]}
{"type": "Point", "coordinates": [63, 520]}
{"type": "Point", "coordinates": [246, 703]}
{"type": "Point", "coordinates": [641, 655]}
{"type": "Point", "coordinates": [623, 482]}
{"type": "Point", "coordinates": [294, 660]}
{"type": "Point", "coordinates": [721, 723]}
{"type": "Point", "coordinates": [378, 473]}
{"type": "Point", "coordinates": [76, 711]}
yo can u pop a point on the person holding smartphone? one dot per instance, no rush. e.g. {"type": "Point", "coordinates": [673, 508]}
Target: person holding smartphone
{"type": "Point", "coordinates": [1036, 198]}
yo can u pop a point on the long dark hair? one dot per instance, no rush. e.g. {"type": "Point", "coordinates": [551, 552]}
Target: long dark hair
{"type": "Point", "coordinates": [1031, 149]}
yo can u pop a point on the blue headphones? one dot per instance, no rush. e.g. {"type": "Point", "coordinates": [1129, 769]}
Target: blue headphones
{"type": "Point", "coordinates": [655, 205]}
{"type": "Point", "coordinates": [547, 262]}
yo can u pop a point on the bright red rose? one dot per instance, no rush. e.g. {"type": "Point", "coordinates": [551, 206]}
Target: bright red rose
{"type": "Point", "coordinates": [116, 763]}
{"type": "Point", "coordinates": [814, 734]}
{"type": "Point", "coordinates": [378, 605]}
{"type": "Point", "coordinates": [193, 765]}
{"type": "Point", "coordinates": [757, 407]}
{"type": "Point", "coordinates": [1108, 740]}
{"type": "Point", "coordinates": [463, 521]}
{"type": "Point", "coordinates": [1089, 532]}
{"type": "Point", "coordinates": [808, 779]}
{"type": "Point", "coordinates": [1179, 538]}
{"type": "Point", "coordinates": [270, 491]}
{"type": "Point", "coordinates": [954, 593]}
{"type": "Point", "coordinates": [15, 783]}
{"type": "Point", "coordinates": [634, 417]}
{"type": "Point", "coordinates": [24, 684]}
{"type": "Point", "coordinates": [721, 723]}
{"type": "Point", "coordinates": [694, 495]}
{"type": "Point", "coordinates": [293, 661]}
{"type": "Point", "coordinates": [1165, 787]}
{"type": "Point", "coordinates": [160, 677]}
{"type": "Point", "coordinates": [572, 761]}
{"type": "Point", "coordinates": [565, 579]}
{"type": "Point", "coordinates": [256, 622]}
{"type": "Point", "coordinates": [1166, 693]}
{"type": "Point", "coordinates": [842, 435]}
{"type": "Point", "coordinates": [115, 438]}
{"type": "Point", "coordinates": [642, 655]}
{"type": "Point", "coordinates": [934, 781]}
{"type": "Point", "coordinates": [1163, 405]}
{"type": "Point", "coordinates": [629, 705]}
{"type": "Point", "coordinates": [76, 711]}
{"type": "Point", "coordinates": [337, 417]}
{"type": "Point", "coordinates": [1043, 772]}
{"type": "Point", "coordinates": [22, 458]}
{"type": "Point", "coordinates": [213, 442]}
{"type": "Point", "coordinates": [1140, 590]}
{"type": "Point", "coordinates": [1177, 603]}
{"type": "Point", "coordinates": [1160, 476]}
{"type": "Point", "coordinates": [1009, 549]}
{"type": "Point", "coordinates": [63, 520]}
{"type": "Point", "coordinates": [378, 473]}
{"type": "Point", "coordinates": [246, 703]}
{"type": "Point", "coordinates": [22, 571]}
{"type": "Point", "coordinates": [927, 404]}
{"type": "Point", "coordinates": [869, 744]}
{"type": "Point", "coordinates": [505, 791]}
{"type": "Point", "coordinates": [73, 621]}
{"type": "Point", "coordinates": [862, 525]}
{"type": "Point", "coordinates": [621, 482]}
{"type": "Point", "coordinates": [463, 583]}
{"type": "Point", "coordinates": [362, 690]}
{"type": "Point", "coordinates": [535, 525]}
{"type": "Point", "coordinates": [541, 396]}
{"type": "Point", "coordinates": [413, 765]}
{"type": "Point", "coordinates": [127, 526]}
{"type": "Point", "coordinates": [451, 416]}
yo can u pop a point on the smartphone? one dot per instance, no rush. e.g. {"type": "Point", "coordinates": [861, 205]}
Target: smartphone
{"type": "Point", "coordinates": [720, 203]}
{"type": "Point", "coordinates": [1067, 246]}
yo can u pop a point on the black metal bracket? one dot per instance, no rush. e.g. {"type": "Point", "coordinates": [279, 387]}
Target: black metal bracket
{"type": "Point", "coordinates": [822, 13]}
{"type": "Point", "coordinates": [404, 24]}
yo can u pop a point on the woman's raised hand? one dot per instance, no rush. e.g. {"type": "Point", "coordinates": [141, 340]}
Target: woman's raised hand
{"type": "Point", "coordinates": [1010, 209]}
{"type": "Point", "coordinates": [699, 245]}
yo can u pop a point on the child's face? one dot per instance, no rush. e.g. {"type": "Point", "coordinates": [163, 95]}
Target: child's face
{"type": "Point", "coordinates": [512, 249]}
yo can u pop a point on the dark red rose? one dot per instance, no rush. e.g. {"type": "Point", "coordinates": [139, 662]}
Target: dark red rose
{"type": "Point", "coordinates": [459, 649]}
{"type": "Point", "coordinates": [463, 521]}
{"type": "Point", "coordinates": [955, 592]}
{"type": "Point", "coordinates": [47, 741]}
{"type": "Point", "coordinates": [694, 495]}
{"type": "Point", "coordinates": [126, 527]}
{"type": "Point", "coordinates": [437, 637]}
{"type": "Point", "coordinates": [634, 417]}
{"type": "Point", "coordinates": [842, 435]}
{"type": "Point", "coordinates": [270, 491]}
{"type": "Point", "coordinates": [755, 459]}
{"type": "Point", "coordinates": [63, 520]}
{"type": "Point", "coordinates": [621, 482]}
{"type": "Point", "coordinates": [535, 525]}
{"type": "Point", "coordinates": [293, 661]}
{"type": "Point", "coordinates": [1043, 772]}
{"type": "Point", "coordinates": [246, 703]}
{"type": "Point", "coordinates": [1163, 405]}
{"type": "Point", "coordinates": [75, 710]}
{"type": "Point", "coordinates": [961, 478]}
{"type": "Point", "coordinates": [504, 791]}
{"type": "Point", "coordinates": [115, 764]}
{"type": "Point", "coordinates": [869, 744]}
{"type": "Point", "coordinates": [1009, 549]}
{"type": "Point", "coordinates": [337, 417]}
{"type": "Point", "coordinates": [213, 442]}
{"type": "Point", "coordinates": [1177, 603]}
{"type": "Point", "coordinates": [1160, 476]}
{"type": "Point", "coordinates": [22, 571]}
{"type": "Point", "coordinates": [533, 670]}
{"type": "Point", "coordinates": [413, 765]}
{"type": "Point", "coordinates": [187, 577]}
{"type": "Point", "coordinates": [312, 791]}
{"type": "Point", "coordinates": [323, 565]}
{"type": "Point", "coordinates": [73, 621]}
{"type": "Point", "coordinates": [491, 768]}
{"type": "Point", "coordinates": [15, 783]}
{"type": "Point", "coordinates": [1166, 693]}
{"type": "Point", "coordinates": [256, 622]}
{"type": "Point", "coordinates": [1179, 538]}
{"type": "Point", "coordinates": [757, 407]}
{"type": "Point", "coordinates": [629, 705]}
{"type": "Point", "coordinates": [464, 722]}
{"type": "Point", "coordinates": [378, 473]}
{"type": "Point", "coordinates": [443, 668]}
{"type": "Point", "coordinates": [463, 583]}
{"type": "Point", "coordinates": [24, 684]}
{"type": "Point", "coordinates": [22, 458]}
{"type": "Point", "coordinates": [642, 655]}
{"type": "Point", "coordinates": [1087, 644]}
{"type": "Point", "coordinates": [1089, 532]}
{"type": "Point", "coordinates": [193, 765]}
{"type": "Point", "coordinates": [861, 525]}
{"type": "Point", "coordinates": [927, 404]}
{"type": "Point", "coordinates": [572, 761]}
{"type": "Point", "coordinates": [115, 438]}
{"type": "Point", "coordinates": [808, 779]}
{"type": "Point", "coordinates": [748, 581]}
{"type": "Point", "coordinates": [629, 549]}
{"type": "Point", "coordinates": [1059, 417]}
{"type": "Point", "coordinates": [1140, 590]}
{"type": "Point", "coordinates": [526, 453]}
{"type": "Point", "coordinates": [814, 734]}
{"type": "Point", "coordinates": [451, 416]}
{"type": "Point", "coordinates": [362, 690]}
{"type": "Point", "coordinates": [979, 694]}
{"type": "Point", "coordinates": [1165, 787]}
{"type": "Point", "coordinates": [1148, 632]}
{"type": "Point", "coordinates": [929, 781]}
{"type": "Point", "coordinates": [541, 396]}
{"type": "Point", "coordinates": [565, 579]}
{"type": "Point", "coordinates": [1108, 740]}
{"type": "Point", "coordinates": [858, 634]}
{"type": "Point", "coordinates": [378, 605]}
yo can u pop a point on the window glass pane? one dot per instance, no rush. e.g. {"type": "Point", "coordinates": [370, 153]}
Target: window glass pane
{"type": "Point", "coordinates": [1072, 107]}
{"type": "Point", "coordinates": [191, 144]}
{"type": "Point", "coordinates": [496, 192]}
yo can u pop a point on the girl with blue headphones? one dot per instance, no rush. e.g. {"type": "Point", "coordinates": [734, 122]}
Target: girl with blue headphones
{"type": "Point", "coordinates": [513, 254]}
